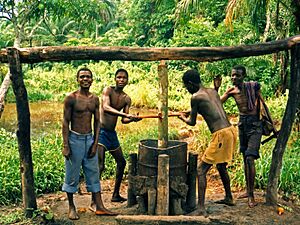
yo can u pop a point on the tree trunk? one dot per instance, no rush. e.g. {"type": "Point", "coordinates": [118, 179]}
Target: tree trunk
{"type": "Point", "coordinates": [286, 127]}
{"type": "Point", "coordinates": [296, 12]}
{"type": "Point", "coordinates": [284, 61]}
{"type": "Point", "coordinates": [3, 90]}
{"type": "Point", "coordinates": [23, 132]}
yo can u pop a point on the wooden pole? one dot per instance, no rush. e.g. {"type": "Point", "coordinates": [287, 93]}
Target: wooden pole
{"type": "Point", "coordinates": [163, 185]}
{"type": "Point", "coordinates": [200, 54]}
{"type": "Point", "coordinates": [163, 105]}
{"type": "Point", "coordinates": [286, 127]}
{"type": "Point", "coordinates": [132, 167]}
{"type": "Point", "coordinates": [23, 132]}
{"type": "Point", "coordinates": [191, 181]}
{"type": "Point", "coordinates": [151, 201]}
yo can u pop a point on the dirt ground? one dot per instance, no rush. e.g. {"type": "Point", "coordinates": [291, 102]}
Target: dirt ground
{"type": "Point", "coordinates": [238, 214]}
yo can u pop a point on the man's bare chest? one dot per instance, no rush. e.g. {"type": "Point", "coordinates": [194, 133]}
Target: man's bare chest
{"type": "Point", "coordinates": [118, 101]}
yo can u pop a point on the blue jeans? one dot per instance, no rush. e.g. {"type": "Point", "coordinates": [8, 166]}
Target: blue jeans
{"type": "Point", "coordinates": [79, 145]}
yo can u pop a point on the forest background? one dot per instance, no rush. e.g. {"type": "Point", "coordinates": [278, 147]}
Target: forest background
{"type": "Point", "coordinates": [145, 23]}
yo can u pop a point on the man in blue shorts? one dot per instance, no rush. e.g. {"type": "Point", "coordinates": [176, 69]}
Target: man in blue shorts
{"type": "Point", "coordinates": [115, 103]}
{"type": "Point", "coordinates": [80, 147]}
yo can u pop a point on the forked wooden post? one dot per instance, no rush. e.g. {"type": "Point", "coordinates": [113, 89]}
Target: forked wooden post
{"type": "Point", "coordinates": [23, 132]}
{"type": "Point", "coordinates": [163, 105]}
{"type": "Point", "coordinates": [162, 207]}
{"type": "Point", "coordinates": [286, 127]}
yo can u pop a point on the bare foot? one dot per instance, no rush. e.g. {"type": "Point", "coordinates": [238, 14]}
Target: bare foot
{"type": "Point", "coordinates": [105, 212]}
{"type": "Point", "coordinates": [118, 199]}
{"type": "Point", "coordinates": [244, 195]}
{"type": "Point", "coordinates": [200, 211]}
{"type": "Point", "coordinates": [73, 214]}
{"type": "Point", "coordinates": [226, 201]}
{"type": "Point", "coordinates": [251, 202]}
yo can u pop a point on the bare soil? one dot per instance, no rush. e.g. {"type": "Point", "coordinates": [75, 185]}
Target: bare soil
{"type": "Point", "coordinates": [238, 214]}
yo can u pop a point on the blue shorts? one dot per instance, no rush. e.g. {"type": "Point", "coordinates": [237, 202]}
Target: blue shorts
{"type": "Point", "coordinates": [79, 145]}
{"type": "Point", "coordinates": [108, 139]}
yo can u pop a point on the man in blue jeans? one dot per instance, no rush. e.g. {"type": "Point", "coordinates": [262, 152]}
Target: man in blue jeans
{"type": "Point", "coordinates": [80, 147]}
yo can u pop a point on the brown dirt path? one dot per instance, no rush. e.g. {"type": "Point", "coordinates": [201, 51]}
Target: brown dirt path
{"type": "Point", "coordinates": [239, 214]}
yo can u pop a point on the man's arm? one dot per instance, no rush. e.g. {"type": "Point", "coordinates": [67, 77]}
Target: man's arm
{"type": "Point", "coordinates": [226, 95]}
{"type": "Point", "coordinates": [133, 118]}
{"type": "Point", "coordinates": [191, 119]}
{"type": "Point", "coordinates": [65, 126]}
{"type": "Point", "coordinates": [96, 128]}
{"type": "Point", "coordinates": [107, 105]}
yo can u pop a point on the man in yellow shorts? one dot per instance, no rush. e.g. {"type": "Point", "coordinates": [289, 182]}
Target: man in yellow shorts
{"type": "Point", "coordinates": [207, 103]}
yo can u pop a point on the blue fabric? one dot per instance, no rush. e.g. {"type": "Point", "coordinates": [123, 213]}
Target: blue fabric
{"type": "Point", "coordinates": [250, 133]}
{"type": "Point", "coordinates": [251, 92]}
{"type": "Point", "coordinates": [79, 145]}
{"type": "Point", "coordinates": [109, 139]}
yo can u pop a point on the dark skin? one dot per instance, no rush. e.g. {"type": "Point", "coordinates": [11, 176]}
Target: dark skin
{"type": "Point", "coordinates": [206, 102]}
{"type": "Point", "coordinates": [239, 94]}
{"type": "Point", "coordinates": [115, 103]}
{"type": "Point", "coordinates": [79, 108]}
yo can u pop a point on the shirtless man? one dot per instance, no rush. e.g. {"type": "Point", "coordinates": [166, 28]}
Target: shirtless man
{"type": "Point", "coordinates": [115, 103]}
{"type": "Point", "coordinates": [250, 128]}
{"type": "Point", "coordinates": [80, 147]}
{"type": "Point", "coordinates": [206, 102]}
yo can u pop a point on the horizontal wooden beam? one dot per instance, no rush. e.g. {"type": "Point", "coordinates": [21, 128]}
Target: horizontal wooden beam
{"type": "Point", "coordinates": [200, 54]}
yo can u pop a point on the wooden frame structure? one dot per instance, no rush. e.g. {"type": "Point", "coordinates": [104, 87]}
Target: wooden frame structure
{"type": "Point", "coordinates": [16, 56]}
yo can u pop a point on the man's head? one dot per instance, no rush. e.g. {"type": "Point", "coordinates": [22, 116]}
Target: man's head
{"type": "Point", "coordinates": [84, 69]}
{"type": "Point", "coordinates": [84, 77]}
{"type": "Point", "coordinates": [121, 78]}
{"type": "Point", "coordinates": [191, 80]}
{"type": "Point", "coordinates": [238, 74]}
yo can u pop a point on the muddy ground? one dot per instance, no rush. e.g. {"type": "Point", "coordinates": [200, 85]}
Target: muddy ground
{"type": "Point", "coordinates": [238, 214]}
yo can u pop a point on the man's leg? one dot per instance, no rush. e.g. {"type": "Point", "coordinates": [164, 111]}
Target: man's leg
{"type": "Point", "coordinates": [228, 200]}
{"type": "Point", "coordinates": [121, 163]}
{"type": "Point", "coordinates": [73, 215]}
{"type": "Point", "coordinates": [250, 164]}
{"type": "Point", "coordinates": [245, 195]}
{"type": "Point", "coordinates": [203, 168]}
{"type": "Point", "coordinates": [101, 160]}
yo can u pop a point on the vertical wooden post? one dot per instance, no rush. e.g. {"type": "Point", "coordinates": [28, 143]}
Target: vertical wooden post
{"type": "Point", "coordinates": [163, 185]}
{"type": "Point", "coordinates": [23, 132]}
{"type": "Point", "coordinates": [163, 105]}
{"type": "Point", "coordinates": [191, 181]}
{"type": "Point", "coordinates": [151, 201]}
{"type": "Point", "coordinates": [286, 127]}
{"type": "Point", "coordinates": [131, 198]}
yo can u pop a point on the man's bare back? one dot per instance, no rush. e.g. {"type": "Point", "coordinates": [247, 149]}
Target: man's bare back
{"type": "Point", "coordinates": [209, 106]}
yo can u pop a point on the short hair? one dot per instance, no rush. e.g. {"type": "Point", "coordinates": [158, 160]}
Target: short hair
{"type": "Point", "coordinates": [84, 69]}
{"type": "Point", "coordinates": [192, 76]}
{"type": "Point", "coordinates": [240, 67]}
{"type": "Point", "coordinates": [121, 70]}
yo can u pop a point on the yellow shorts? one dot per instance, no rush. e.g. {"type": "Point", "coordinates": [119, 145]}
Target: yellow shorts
{"type": "Point", "coordinates": [221, 147]}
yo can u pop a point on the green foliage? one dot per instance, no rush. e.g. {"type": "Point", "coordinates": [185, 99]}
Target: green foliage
{"type": "Point", "coordinates": [12, 218]}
